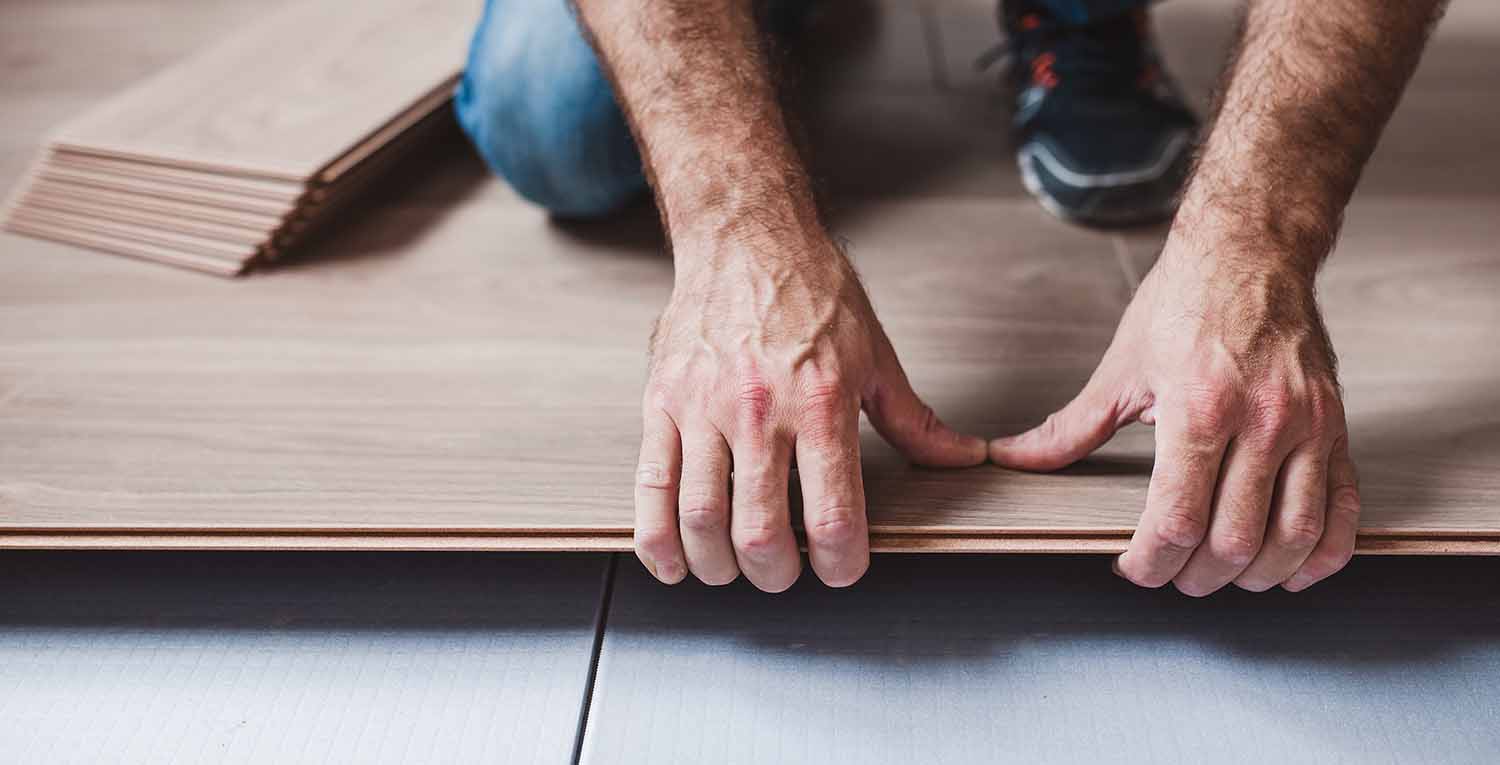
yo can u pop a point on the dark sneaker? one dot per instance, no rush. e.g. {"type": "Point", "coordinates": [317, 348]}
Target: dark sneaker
{"type": "Point", "coordinates": [1102, 136]}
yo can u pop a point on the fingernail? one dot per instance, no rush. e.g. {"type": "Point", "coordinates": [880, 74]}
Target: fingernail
{"type": "Point", "coordinates": [668, 572]}
{"type": "Point", "coordinates": [1114, 566]}
{"type": "Point", "coordinates": [1296, 583]}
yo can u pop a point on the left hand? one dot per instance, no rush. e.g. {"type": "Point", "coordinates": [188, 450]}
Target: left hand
{"type": "Point", "coordinates": [1226, 354]}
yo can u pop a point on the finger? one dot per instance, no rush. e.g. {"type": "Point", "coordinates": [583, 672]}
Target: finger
{"type": "Point", "coordinates": [760, 519]}
{"type": "Point", "coordinates": [656, 478]}
{"type": "Point", "coordinates": [1237, 519]}
{"type": "Point", "coordinates": [1341, 525]}
{"type": "Point", "coordinates": [1177, 502]}
{"type": "Point", "coordinates": [833, 496]}
{"type": "Point", "coordinates": [1067, 435]}
{"type": "Point", "coordinates": [910, 425]}
{"type": "Point", "coordinates": [1296, 522]}
{"type": "Point", "coordinates": [703, 508]}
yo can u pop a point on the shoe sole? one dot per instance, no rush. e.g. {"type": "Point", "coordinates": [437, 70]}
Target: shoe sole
{"type": "Point", "coordinates": [1110, 205]}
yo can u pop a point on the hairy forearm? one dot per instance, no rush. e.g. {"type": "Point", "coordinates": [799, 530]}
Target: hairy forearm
{"type": "Point", "coordinates": [696, 87]}
{"type": "Point", "coordinates": [1304, 101]}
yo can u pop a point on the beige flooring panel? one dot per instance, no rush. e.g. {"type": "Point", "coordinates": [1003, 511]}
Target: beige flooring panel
{"type": "Point", "coordinates": [447, 368]}
{"type": "Point", "coordinates": [353, 67]}
{"type": "Point", "coordinates": [289, 191]}
{"type": "Point", "coordinates": [450, 371]}
{"type": "Point", "coordinates": [464, 378]}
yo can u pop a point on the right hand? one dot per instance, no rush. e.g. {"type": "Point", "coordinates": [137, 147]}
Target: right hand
{"type": "Point", "coordinates": [765, 352]}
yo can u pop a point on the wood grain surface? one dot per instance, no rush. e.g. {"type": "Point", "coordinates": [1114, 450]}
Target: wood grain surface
{"type": "Point", "coordinates": [287, 97]}
{"type": "Point", "coordinates": [446, 367]}
{"type": "Point", "coordinates": [288, 191]}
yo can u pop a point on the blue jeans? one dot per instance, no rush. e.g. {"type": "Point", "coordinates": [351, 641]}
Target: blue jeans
{"type": "Point", "coordinates": [537, 105]}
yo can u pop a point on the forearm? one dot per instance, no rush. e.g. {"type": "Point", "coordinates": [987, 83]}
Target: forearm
{"type": "Point", "coordinates": [695, 85]}
{"type": "Point", "coordinates": [1305, 99]}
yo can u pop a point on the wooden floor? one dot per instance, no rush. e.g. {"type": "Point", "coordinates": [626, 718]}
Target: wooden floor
{"type": "Point", "coordinates": [448, 369]}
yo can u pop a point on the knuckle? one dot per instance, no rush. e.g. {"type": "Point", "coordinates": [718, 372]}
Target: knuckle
{"type": "Point", "coordinates": [703, 515]}
{"type": "Point", "coordinates": [754, 401]}
{"type": "Point", "coordinates": [1324, 408]}
{"type": "Point", "coordinates": [1344, 501]}
{"type": "Point", "coordinates": [655, 476]}
{"type": "Point", "coordinates": [1300, 531]}
{"type": "Point", "coordinates": [825, 402]}
{"type": "Point", "coordinates": [660, 396]}
{"type": "Point", "coordinates": [758, 543]}
{"type": "Point", "coordinates": [1051, 428]}
{"type": "Point", "coordinates": [654, 544]}
{"type": "Point", "coordinates": [1235, 546]}
{"type": "Point", "coordinates": [924, 421]}
{"type": "Point", "coordinates": [838, 525]}
{"type": "Point", "coordinates": [1327, 398]}
{"type": "Point", "coordinates": [1211, 407]}
{"type": "Point", "coordinates": [1275, 411]}
{"type": "Point", "coordinates": [1181, 530]}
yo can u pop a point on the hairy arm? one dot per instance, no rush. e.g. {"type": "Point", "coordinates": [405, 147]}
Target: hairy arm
{"type": "Point", "coordinates": [768, 349]}
{"type": "Point", "coordinates": [1223, 347]}
{"type": "Point", "coordinates": [694, 82]}
{"type": "Point", "coordinates": [1304, 100]}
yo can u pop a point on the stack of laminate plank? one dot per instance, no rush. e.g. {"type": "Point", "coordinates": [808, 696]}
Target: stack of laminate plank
{"type": "Point", "coordinates": [230, 157]}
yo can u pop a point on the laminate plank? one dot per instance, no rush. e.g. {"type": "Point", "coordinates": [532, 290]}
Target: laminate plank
{"type": "Point", "coordinates": [141, 250]}
{"type": "Point", "coordinates": [451, 367]}
{"type": "Point", "coordinates": [495, 348]}
{"type": "Point", "coordinates": [1053, 660]}
{"type": "Point", "coordinates": [623, 543]}
{"type": "Point", "coordinates": [156, 206]}
{"type": "Point", "coordinates": [287, 97]}
{"type": "Point", "coordinates": [443, 388]}
{"type": "Point", "coordinates": [164, 190]}
{"type": "Point", "coordinates": [83, 222]}
{"type": "Point", "coordinates": [156, 221]}
{"type": "Point", "coordinates": [294, 658]}
{"type": "Point", "coordinates": [283, 191]}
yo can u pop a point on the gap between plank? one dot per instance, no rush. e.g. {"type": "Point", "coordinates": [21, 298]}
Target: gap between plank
{"type": "Point", "coordinates": [601, 620]}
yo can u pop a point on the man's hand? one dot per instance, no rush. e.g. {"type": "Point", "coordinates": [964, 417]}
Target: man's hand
{"type": "Point", "coordinates": [766, 354]}
{"type": "Point", "coordinates": [768, 347]}
{"type": "Point", "coordinates": [1226, 354]}
{"type": "Point", "coordinates": [1222, 347]}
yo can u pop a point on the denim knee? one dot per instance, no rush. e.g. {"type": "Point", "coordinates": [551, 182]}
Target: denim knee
{"type": "Point", "coordinates": [536, 104]}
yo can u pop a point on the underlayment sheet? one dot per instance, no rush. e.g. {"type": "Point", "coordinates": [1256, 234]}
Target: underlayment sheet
{"type": "Point", "coordinates": [286, 658]}
{"type": "Point", "coordinates": [1052, 660]}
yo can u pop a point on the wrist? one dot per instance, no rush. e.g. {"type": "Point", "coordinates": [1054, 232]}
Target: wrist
{"type": "Point", "coordinates": [721, 231]}
{"type": "Point", "coordinates": [1248, 232]}
{"type": "Point", "coordinates": [739, 252]}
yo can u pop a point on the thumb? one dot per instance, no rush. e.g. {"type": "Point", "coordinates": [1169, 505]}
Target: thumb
{"type": "Point", "coordinates": [910, 425]}
{"type": "Point", "coordinates": [1067, 435]}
